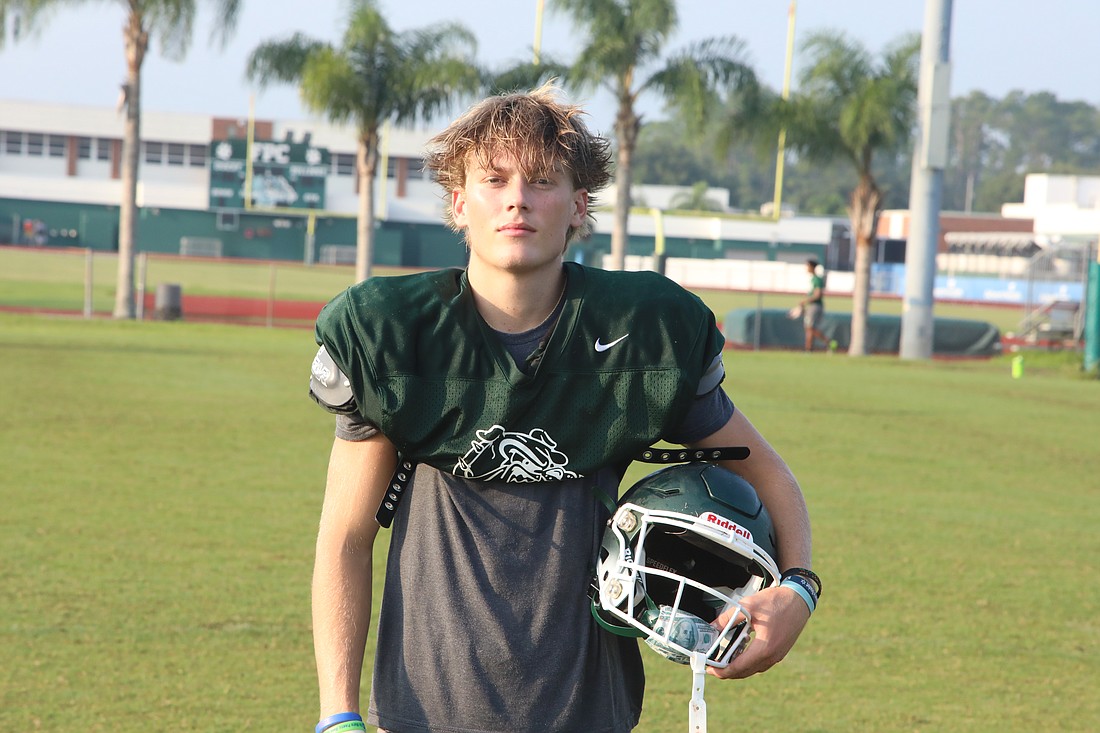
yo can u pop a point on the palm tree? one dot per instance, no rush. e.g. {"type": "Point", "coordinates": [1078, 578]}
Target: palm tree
{"type": "Point", "coordinates": [695, 199]}
{"type": "Point", "coordinates": [848, 107]}
{"type": "Point", "coordinates": [623, 41]}
{"type": "Point", "coordinates": [170, 21]}
{"type": "Point", "coordinates": [374, 76]}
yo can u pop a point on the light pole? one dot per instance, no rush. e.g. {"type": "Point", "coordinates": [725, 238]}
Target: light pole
{"type": "Point", "coordinates": [926, 184]}
{"type": "Point", "coordinates": [539, 5]}
{"type": "Point", "coordinates": [777, 200]}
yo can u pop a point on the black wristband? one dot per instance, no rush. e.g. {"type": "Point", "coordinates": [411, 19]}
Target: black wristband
{"type": "Point", "coordinates": [805, 585]}
{"type": "Point", "coordinates": [806, 574]}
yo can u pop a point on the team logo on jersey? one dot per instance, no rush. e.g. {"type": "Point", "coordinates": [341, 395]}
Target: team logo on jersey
{"type": "Point", "coordinates": [518, 458]}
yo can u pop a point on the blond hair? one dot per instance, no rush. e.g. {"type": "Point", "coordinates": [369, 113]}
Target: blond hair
{"type": "Point", "coordinates": [539, 131]}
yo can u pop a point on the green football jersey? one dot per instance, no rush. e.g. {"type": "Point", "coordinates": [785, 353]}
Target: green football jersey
{"type": "Point", "coordinates": [816, 281]}
{"type": "Point", "coordinates": [620, 370]}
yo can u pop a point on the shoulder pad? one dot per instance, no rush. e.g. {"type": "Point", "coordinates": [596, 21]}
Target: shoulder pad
{"type": "Point", "coordinates": [328, 385]}
{"type": "Point", "coordinates": [713, 376]}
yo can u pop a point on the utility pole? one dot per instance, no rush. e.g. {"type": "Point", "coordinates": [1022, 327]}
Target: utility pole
{"type": "Point", "coordinates": [926, 184]}
{"type": "Point", "coordinates": [780, 157]}
{"type": "Point", "coordinates": [539, 6]}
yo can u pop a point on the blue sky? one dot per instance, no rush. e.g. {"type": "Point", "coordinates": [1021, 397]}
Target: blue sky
{"type": "Point", "coordinates": [996, 46]}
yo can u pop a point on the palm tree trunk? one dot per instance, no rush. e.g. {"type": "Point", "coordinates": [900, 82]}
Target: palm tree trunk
{"type": "Point", "coordinates": [865, 203]}
{"type": "Point", "coordinates": [860, 298]}
{"type": "Point", "coordinates": [367, 167]}
{"type": "Point", "coordinates": [626, 131]}
{"type": "Point", "coordinates": [619, 230]}
{"type": "Point", "coordinates": [137, 40]}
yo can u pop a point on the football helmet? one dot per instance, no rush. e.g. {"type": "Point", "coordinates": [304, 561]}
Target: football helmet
{"type": "Point", "coordinates": [684, 544]}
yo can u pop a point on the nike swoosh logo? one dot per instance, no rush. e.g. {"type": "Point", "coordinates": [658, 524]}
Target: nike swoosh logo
{"type": "Point", "coordinates": [605, 347]}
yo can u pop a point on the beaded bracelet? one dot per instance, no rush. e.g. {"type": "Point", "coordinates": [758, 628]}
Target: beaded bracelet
{"type": "Point", "coordinates": [341, 723]}
{"type": "Point", "coordinates": [809, 575]}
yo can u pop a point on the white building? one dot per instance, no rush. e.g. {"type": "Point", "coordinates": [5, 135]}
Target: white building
{"type": "Point", "coordinates": [1063, 207]}
{"type": "Point", "coordinates": [60, 168]}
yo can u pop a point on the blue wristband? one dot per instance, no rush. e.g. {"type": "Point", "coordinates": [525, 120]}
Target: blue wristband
{"type": "Point", "coordinates": [338, 718]}
{"type": "Point", "coordinates": [348, 726]}
{"type": "Point", "coordinates": [805, 594]}
{"type": "Point", "coordinates": [806, 585]}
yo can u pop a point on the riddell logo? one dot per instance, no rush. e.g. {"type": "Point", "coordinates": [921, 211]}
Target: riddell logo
{"type": "Point", "coordinates": [727, 525]}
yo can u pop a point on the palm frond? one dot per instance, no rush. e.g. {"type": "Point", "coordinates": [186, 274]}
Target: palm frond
{"type": "Point", "coordinates": [524, 76]}
{"type": "Point", "coordinates": [282, 61]}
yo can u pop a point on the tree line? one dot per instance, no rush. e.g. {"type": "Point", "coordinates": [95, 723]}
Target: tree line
{"type": "Point", "coordinates": [994, 143]}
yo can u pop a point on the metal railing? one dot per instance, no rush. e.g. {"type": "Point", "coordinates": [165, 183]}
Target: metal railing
{"type": "Point", "coordinates": [1052, 319]}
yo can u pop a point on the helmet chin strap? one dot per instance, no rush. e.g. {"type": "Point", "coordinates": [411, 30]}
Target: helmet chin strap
{"type": "Point", "coordinates": [404, 473]}
{"type": "Point", "coordinates": [692, 455]}
{"type": "Point", "coordinates": [697, 706]}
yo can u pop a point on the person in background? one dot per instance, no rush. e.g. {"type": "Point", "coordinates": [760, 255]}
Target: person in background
{"type": "Point", "coordinates": [813, 305]}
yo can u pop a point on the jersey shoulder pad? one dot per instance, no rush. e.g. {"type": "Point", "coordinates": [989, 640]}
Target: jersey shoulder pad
{"type": "Point", "coordinates": [712, 377]}
{"type": "Point", "coordinates": [328, 386]}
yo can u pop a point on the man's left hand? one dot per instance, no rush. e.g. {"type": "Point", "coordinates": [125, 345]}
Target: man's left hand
{"type": "Point", "coordinates": [778, 616]}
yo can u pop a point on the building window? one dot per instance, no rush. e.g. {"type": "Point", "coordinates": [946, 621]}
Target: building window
{"type": "Point", "coordinates": [175, 153]}
{"type": "Point", "coordinates": [343, 164]}
{"type": "Point", "coordinates": [35, 143]}
{"type": "Point", "coordinates": [13, 144]}
{"type": "Point", "coordinates": [196, 156]}
{"type": "Point", "coordinates": [84, 148]}
{"type": "Point", "coordinates": [57, 146]}
{"type": "Point", "coordinates": [154, 153]}
{"type": "Point", "coordinates": [102, 148]}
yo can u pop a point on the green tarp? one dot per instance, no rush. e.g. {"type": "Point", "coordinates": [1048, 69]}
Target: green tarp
{"type": "Point", "coordinates": [951, 336]}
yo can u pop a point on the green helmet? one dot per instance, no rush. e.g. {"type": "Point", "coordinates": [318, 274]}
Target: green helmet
{"type": "Point", "coordinates": [685, 543]}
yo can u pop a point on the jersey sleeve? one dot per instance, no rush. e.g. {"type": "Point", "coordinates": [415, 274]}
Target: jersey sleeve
{"type": "Point", "coordinates": [713, 344]}
{"type": "Point", "coordinates": [711, 408]}
{"type": "Point", "coordinates": [707, 414]}
{"type": "Point", "coordinates": [341, 385]}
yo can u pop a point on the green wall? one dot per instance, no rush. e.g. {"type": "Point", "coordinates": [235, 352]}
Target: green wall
{"type": "Point", "coordinates": [270, 237]}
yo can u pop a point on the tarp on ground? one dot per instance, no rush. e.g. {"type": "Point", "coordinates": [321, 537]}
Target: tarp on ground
{"type": "Point", "coordinates": [951, 336]}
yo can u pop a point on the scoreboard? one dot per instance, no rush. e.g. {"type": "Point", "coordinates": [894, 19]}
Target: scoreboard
{"type": "Point", "coordinates": [285, 175]}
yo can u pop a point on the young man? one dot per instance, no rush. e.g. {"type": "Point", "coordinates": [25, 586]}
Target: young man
{"type": "Point", "coordinates": [517, 387]}
{"type": "Point", "coordinates": [813, 305]}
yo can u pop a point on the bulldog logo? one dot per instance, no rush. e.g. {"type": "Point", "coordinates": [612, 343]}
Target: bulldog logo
{"type": "Point", "coordinates": [518, 458]}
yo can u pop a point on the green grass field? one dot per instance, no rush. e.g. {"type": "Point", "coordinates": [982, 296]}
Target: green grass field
{"type": "Point", "coordinates": [162, 484]}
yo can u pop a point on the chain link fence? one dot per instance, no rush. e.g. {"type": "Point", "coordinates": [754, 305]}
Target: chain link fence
{"type": "Point", "coordinates": [72, 281]}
